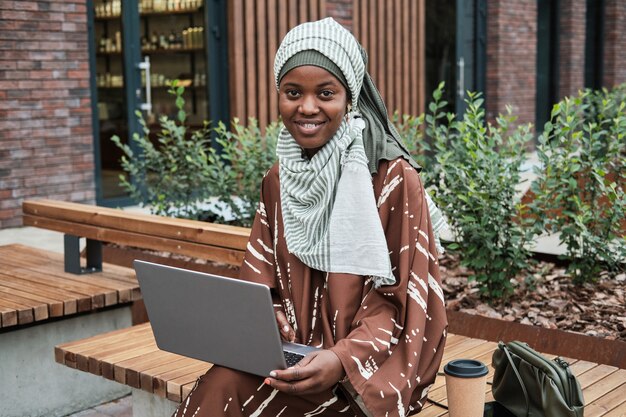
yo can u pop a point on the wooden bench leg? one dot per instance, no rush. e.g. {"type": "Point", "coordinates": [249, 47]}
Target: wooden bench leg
{"type": "Point", "coordinates": [71, 249]}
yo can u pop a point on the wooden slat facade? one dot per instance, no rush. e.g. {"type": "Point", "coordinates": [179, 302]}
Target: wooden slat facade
{"type": "Point", "coordinates": [392, 31]}
{"type": "Point", "coordinates": [130, 357]}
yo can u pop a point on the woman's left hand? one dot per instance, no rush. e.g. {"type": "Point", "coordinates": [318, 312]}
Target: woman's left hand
{"type": "Point", "coordinates": [317, 372]}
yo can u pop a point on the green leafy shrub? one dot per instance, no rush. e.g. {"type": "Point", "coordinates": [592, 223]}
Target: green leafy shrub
{"type": "Point", "coordinates": [579, 190]}
{"type": "Point", "coordinates": [171, 177]}
{"type": "Point", "coordinates": [418, 138]}
{"type": "Point", "coordinates": [183, 176]}
{"type": "Point", "coordinates": [477, 175]}
{"type": "Point", "coordinates": [237, 171]}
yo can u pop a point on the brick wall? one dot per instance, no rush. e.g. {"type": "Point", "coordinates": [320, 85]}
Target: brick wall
{"type": "Point", "coordinates": [341, 11]}
{"type": "Point", "coordinates": [511, 58]}
{"type": "Point", "coordinates": [615, 43]}
{"type": "Point", "coordinates": [45, 112]}
{"type": "Point", "coordinates": [571, 47]}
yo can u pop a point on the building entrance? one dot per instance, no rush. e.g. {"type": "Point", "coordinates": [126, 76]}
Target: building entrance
{"type": "Point", "coordinates": [139, 47]}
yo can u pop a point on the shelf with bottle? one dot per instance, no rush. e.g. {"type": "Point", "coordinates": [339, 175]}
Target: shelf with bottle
{"type": "Point", "coordinates": [190, 39]}
{"type": "Point", "coordinates": [108, 80]}
{"type": "Point", "coordinates": [112, 9]}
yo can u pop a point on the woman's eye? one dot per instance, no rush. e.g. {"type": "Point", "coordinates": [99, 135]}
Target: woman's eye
{"type": "Point", "coordinates": [292, 93]}
{"type": "Point", "coordinates": [327, 94]}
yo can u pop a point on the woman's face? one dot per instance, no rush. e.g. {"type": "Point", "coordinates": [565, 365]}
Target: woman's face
{"type": "Point", "coordinates": [312, 104]}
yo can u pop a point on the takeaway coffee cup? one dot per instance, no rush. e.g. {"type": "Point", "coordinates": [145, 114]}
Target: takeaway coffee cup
{"type": "Point", "coordinates": [466, 381]}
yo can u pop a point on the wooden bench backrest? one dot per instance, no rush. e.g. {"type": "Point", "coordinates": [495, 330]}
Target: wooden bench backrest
{"type": "Point", "coordinates": [215, 242]}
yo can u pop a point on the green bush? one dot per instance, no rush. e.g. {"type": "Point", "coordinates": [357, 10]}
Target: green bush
{"type": "Point", "coordinates": [183, 176]}
{"type": "Point", "coordinates": [171, 177]}
{"type": "Point", "coordinates": [418, 139]}
{"type": "Point", "coordinates": [478, 170]}
{"type": "Point", "coordinates": [579, 190]}
{"type": "Point", "coordinates": [237, 171]}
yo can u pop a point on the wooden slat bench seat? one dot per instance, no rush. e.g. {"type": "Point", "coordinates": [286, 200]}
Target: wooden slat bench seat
{"type": "Point", "coordinates": [41, 306]}
{"type": "Point", "coordinates": [214, 242]}
{"type": "Point", "coordinates": [34, 288]}
{"type": "Point", "coordinates": [130, 357]}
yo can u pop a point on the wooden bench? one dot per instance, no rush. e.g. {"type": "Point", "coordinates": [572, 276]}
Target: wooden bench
{"type": "Point", "coordinates": [160, 379]}
{"type": "Point", "coordinates": [130, 357]}
{"type": "Point", "coordinates": [224, 245]}
{"type": "Point", "coordinates": [213, 242]}
{"type": "Point", "coordinates": [41, 306]}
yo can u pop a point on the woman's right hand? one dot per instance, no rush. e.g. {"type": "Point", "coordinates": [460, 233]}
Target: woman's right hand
{"type": "Point", "coordinates": [286, 331]}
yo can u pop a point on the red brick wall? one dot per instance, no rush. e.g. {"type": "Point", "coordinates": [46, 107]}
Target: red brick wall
{"type": "Point", "coordinates": [511, 58]}
{"type": "Point", "coordinates": [45, 115]}
{"type": "Point", "coordinates": [615, 43]}
{"type": "Point", "coordinates": [571, 47]}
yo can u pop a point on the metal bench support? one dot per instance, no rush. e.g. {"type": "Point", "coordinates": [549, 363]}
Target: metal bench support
{"type": "Point", "coordinates": [71, 248]}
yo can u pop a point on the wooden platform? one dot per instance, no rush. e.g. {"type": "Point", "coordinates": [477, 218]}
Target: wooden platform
{"type": "Point", "coordinates": [131, 357]}
{"type": "Point", "coordinates": [34, 288]}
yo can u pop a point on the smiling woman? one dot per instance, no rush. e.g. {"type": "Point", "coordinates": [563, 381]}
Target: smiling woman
{"type": "Point", "coordinates": [343, 237]}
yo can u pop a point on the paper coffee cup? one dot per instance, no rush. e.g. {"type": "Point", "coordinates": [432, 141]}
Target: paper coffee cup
{"type": "Point", "coordinates": [466, 381]}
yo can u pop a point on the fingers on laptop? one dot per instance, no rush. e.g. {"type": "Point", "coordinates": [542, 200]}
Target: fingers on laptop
{"type": "Point", "coordinates": [286, 331]}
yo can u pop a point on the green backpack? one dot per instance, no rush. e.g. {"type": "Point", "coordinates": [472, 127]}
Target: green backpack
{"type": "Point", "coordinates": [529, 385]}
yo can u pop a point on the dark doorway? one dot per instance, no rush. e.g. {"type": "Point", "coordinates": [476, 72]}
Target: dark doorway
{"type": "Point", "coordinates": [547, 59]}
{"type": "Point", "coordinates": [594, 44]}
{"type": "Point", "coordinates": [441, 48]}
{"type": "Point", "coordinates": [456, 32]}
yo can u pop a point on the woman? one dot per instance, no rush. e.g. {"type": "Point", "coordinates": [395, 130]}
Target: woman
{"type": "Point", "coordinates": [344, 238]}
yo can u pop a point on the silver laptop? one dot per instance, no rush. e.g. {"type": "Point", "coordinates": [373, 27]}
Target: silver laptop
{"type": "Point", "coordinates": [221, 320]}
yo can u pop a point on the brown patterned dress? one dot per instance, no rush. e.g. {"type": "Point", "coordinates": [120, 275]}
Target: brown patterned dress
{"type": "Point", "coordinates": [390, 339]}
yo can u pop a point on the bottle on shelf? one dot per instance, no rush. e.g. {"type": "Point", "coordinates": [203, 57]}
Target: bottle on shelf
{"type": "Point", "coordinates": [111, 8]}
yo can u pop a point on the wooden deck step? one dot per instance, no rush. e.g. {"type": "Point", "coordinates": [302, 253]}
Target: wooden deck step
{"type": "Point", "coordinates": [130, 356]}
{"type": "Point", "coordinates": [34, 288]}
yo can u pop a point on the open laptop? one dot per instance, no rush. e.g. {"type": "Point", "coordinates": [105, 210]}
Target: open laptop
{"type": "Point", "coordinates": [221, 320]}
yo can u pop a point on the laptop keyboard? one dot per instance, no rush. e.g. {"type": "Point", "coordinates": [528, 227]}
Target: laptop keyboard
{"type": "Point", "coordinates": [292, 358]}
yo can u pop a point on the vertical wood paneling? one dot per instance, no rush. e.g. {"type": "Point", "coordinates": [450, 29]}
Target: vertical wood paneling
{"type": "Point", "coordinates": [293, 13]}
{"type": "Point", "coordinates": [237, 67]}
{"type": "Point", "coordinates": [397, 47]}
{"type": "Point", "coordinates": [392, 32]}
{"type": "Point", "coordinates": [263, 66]}
{"type": "Point", "coordinates": [249, 44]}
{"type": "Point", "coordinates": [406, 58]}
{"type": "Point", "coordinates": [283, 25]}
{"type": "Point", "coordinates": [379, 57]}
{"type": "Point", "coordinates": [389, 58]}
{"type": "Point", "coordinates": [413, 50]}
{"type": "Point", "coordinates": [421, 53]}
{"type": "Point", "coordinates": [272, 45]}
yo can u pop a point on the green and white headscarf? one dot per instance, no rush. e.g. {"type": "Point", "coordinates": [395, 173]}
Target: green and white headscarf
{"type": "Point", "coordinates": [329, 210]}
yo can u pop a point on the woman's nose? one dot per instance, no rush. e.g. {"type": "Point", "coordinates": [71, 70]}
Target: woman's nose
{"type": "Point", "coordinates": [308, 105]}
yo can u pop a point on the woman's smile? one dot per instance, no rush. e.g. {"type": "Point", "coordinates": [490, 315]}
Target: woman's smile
{"type": "Point", "coordinates": [309, 127]}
